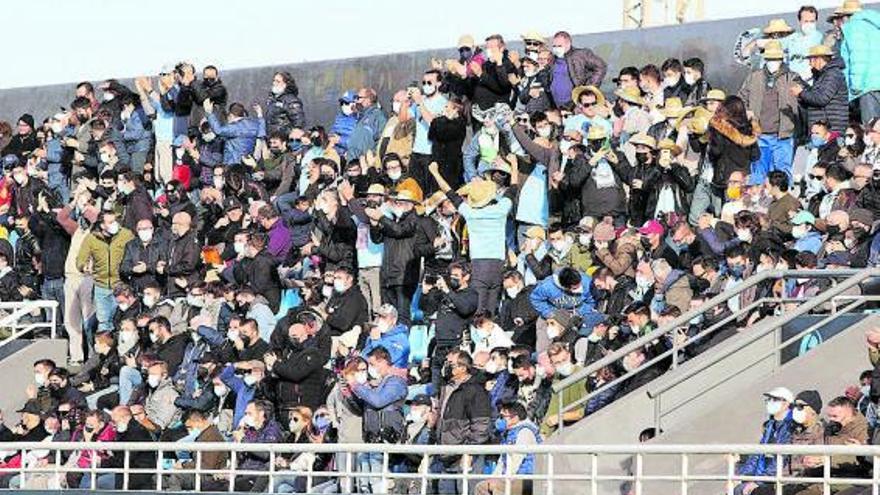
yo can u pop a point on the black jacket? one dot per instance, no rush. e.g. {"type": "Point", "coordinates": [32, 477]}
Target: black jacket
{"type": "Point", "coordinates": [447, 138]}
{"type": "Point", "coordinates": [466, 419]}
{"type": "Point", "coordinates": [171, 352]}
{"type": "Point", "coordinates": [643, 201]}
{"type": "Point", "coordinates": [578, 183]}
{"type": "Point", "coordinates": [519, 316]}
{"type": "Point", "coordinates": [284, 112]}
{"type": "Point", "coordinates": [612, 303]}
{"type": "Point", "coordinates": [151, 254]}
{"type": "Point", "coordinates": [301, 377]}
{"type": "Point", "coordinates": [20, 144]}
{"type": "Point", "coordinates": [145, 459]}
{"type": "Point", "coordinates": [827, 98]}
{"type": "Point", "coordinates": [454, 312]}
{"type": "Point", "coordinates": [869, 198]}
{"type": "Point", "coordinates": [261, 274]}
{"type": "Point", "coordinates": [54, 243]}
{"type": "Point", "coordinates": [730, 150]}
{"type": "Point", "coordinates": [138, 206]}
{"type": "Point", "coordinates": [346, 310]}
{"type": "Point", "coordinates": [184, 260]}
{"type": "Point", "coordinates": [400, 265]}
{"type": "Point", "coordinates": [493, 85]}
{"type": "Point", "coordinates": [339, 237]}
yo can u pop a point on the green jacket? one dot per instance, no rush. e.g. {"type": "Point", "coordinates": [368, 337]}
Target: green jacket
{"type": "Point", "coordinates": [104, 254]}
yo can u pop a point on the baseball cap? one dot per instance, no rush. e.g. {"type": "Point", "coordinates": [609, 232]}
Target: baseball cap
{"type": "Point", "coordinates": [803, 217]}
{"type": "Point", "coordinates": [652, 227]}
{"type": "Point", "coordinates": [30, 407]}
{"type": "Point", "coordinates": [810, 398]}
{"type": "Point", "coordinates": [780, 393]}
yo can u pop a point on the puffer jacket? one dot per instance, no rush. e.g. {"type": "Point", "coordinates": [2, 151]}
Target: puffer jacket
{"type": "Point", "coordinates": [730, 150]}
{"type": "Point", "coordinates": [585, 67]}
{"type": "Point", "coordinates": [343, 126]}
{"type": "Point", "coordinates": [466, 417]}
{"type": "Point", "coordinates": [284, 112]}
{"type": "Point", "coordinates": [400, 265]}
{"type": "Point", "coordinates": [105, 253]}
{"type": "Point", "coordinates": [752, 93]}
{"type": "Point", "coordinates": [240, 136]}
{"type": "Point", "coordinates": [826, 99]}
{"type": "Point", "coordinates": [860, 50]}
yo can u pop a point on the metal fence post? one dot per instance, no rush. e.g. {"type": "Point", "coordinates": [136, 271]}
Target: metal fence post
{"type": "Point", "coordinates": [684, 474]}
{"type": "Point", "coordinates": [594, 474]}
{"type": "Point", "coordinates": [875, 482]}
{"type": "Point", "coordinates": [731, 471]}
{"type": "Point", "coordinates": [550, 469]}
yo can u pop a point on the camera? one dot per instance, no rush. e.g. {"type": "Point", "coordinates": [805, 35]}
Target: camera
{"type": "Point", "coordinates": [430, 279]}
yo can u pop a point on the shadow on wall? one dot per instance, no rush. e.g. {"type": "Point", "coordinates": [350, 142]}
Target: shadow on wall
{"type": "Point", "coordinates": [321, 83]}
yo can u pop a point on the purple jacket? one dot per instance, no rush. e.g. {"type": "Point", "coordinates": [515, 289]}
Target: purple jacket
{"type": "Point", "coordinates": [280, 240]}
{"type": "Point", "coordinates": [259, 461]}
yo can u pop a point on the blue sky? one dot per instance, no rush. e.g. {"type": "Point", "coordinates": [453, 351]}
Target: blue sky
{"type": "Point", "coordinates": [97, 39]}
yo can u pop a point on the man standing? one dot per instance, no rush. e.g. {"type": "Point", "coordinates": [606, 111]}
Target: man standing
{"type": "Point", "coordinates": [573, 67]}
{"type": "Point", "coordinates": [767, 95]}
{"type": "Point", "coordinates": [858, 50]}
{"type": "Point", "coordinates": [368, 129]}
{"type": "Point", "coordinates": [826, 100]}
{"type": "Point", "coordinates": [427, 103]}
{"type": "Point", "coordinates": [184, 257]}
{"type": "Point", "coordinates": [101, 255]}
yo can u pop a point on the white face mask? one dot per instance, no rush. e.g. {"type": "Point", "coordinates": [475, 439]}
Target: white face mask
{"type": "Point", "coordinates": [395, 106]}
{"type": "Point", "coordinates": [39, 379]}
{"type": "Point", "coordinates": [277, 89]}
{"type": "Point", "coordinates": [361, 377]}
{"type": "Point", "coordinates": [145, 235]}
{"type": "Point", "coordinates": [553, 331]}
{"type": "Point", "coordinates": [220, 390]}
{"type": "Point", "coordinates": [232, 334]}
{"type": "Point", "coordinates": [127, 336]}
{"type": "Point", "coordinates": [238, 247]}
{"type": "Point", "coordinates": [121, 427]}
{"type": "Point", "coordinates": [346, 109]}
{"type": "Point", "coordinates": [492, 367]}
{"type": "Point", "coordinates": [690, 79]}
{"type": "Point", "coordinates": [57, 128]}
{"type": "Point", "coordinates": [154, 380]}
{"type": "Point", "coordinates": [208, 137]}
{"type": "Point", "coordinates": [643, 282]}
{"type": "Point", "coordinates": [808, 27]}
{"type": "Point", "coordinates": [584, 239]}
{"type": "Point", "coordinates": [178, 152]}
{"type": "Point", "coordinates": [149, 300]}
{"type": "Point", "coordinates": [799, 416]}
{"type": "Point", "coordinates": [512, 292]}
{"type": "Point", "coordinates": [849, 141]}
{"type": "Point", "coordinates": [565, 369]}
{"type": "Point", "coordinates": [154, 338]}
{"type": "Point", "coordinates": [249, 421]}
{"type": "Point", "coordinates": [558, 51]}
{"type": "Point", "coordinates": [374, 373]}
{"type": "Point", "coordinates": [773, 407]}
{"type": "Point", "coordinates": [327, 291]}
{"type": "Point", "coordinates": [559, 246]}
{"type": "Point", "coordinates": [113, 228]}
{"type": "Point", "coordinates": [108, 96]}
{"type": "Point", "coordinates": [545, 131]}
{"type": "Point", "coordinates": [744, 235]}
{"type": "Point", "coordinates": [124, 307]}
{"type": "Point", "coordinates": [798, 231]}
{"type": "Point", "coordinates": [249, 380]}
{"type": "Point", "coordinates": [671, 81]}
{"type": "Point", "coordinates": [219, 182]}
{"type": "Point", "coordinates": [394, 174]}
{"type": "Point", "coordinates": [339, 286]}
{"type": "Point", "coordinates": [428, 89]}
{"type": "Point", "coordinates": [774, 65]}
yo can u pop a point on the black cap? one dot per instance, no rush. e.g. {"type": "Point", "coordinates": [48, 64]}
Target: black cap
{"type": "Point", "coordinates": [626, 71]}
{"type": "Point", "coordinates": [810, 398]}
{"type": "Point", "coordinates": [421, 400]}
{"type": "Point", "coordinates": [209, 357]}
{"type": "Point", "coordinates": [10, 162]}
{"type": "Point", "coordinates": [31, 407]}
{"type": "Point", "coordinates": [27, 119]}
{"type": "Point", "coordinates": [231, 203]}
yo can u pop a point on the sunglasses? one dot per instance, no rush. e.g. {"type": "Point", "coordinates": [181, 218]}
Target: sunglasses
{"type": "Point", "coordinates": [428, 83]}
{"type": "Point", "coordinates": [589, 105]}
{"type": "Point", "coordinates": [533, 43]}
{"type": "Point", "coordinates": [820, 177]}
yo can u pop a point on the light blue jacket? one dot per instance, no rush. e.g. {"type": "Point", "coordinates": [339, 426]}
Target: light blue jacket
{"type": "Point", "coordinates": [487, 227]}
{"type": "Point", "coordinates": [395, 341]}
{"type": "Point", "coordinates": [860, 51]}
{"type": "Point", "coordinates": [240, 136]}
{"type": "Point", "coordinates": [548, 296]}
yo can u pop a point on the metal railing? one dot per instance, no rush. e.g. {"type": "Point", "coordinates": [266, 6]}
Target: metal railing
{"type": "Point", "coordinates": [565, 468]}
{"type": "Point", "coordinates": [667, 382]}
{"type": "Point", "coordinates": [17, 320]}
{"type": "Point", "coordinates": [668, 331]}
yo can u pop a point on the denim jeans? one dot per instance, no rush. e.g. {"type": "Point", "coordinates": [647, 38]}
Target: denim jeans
{"type": "Point", "coordinates": [53, 290]}
{"type": "Point", "coordinates": [705, 198]}
{"type": "Point", "coordinates": [129, 378]}
{"type": "Point", "coordinates": [105, 481]}
{"type": "Point", "coordinates": [776, 154]}
{"type": "Point", "coordinates": [92, 399]}
{"type": "Point", "coordinates": [370, 462]}
{"type": "Point", "coordinates": [105, 306]}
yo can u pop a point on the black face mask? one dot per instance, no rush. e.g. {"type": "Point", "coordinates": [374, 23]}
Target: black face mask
{"type": "Point", "coordinates": [643, 158]}
{"type": "Point", "coordinates": [454, 283]}
{"type": "Point", "coordinates": [202, 374]}
{"type": "Point", "coordinates": [595, 145]}
{"type": "Point", "coordinates": [833, 230]}
{"type": "Point", "coordinates": [245, 340]}
{"type": "Point", "coordinates": [465, 53]}
{"type": "Point", "coordinates": [210, 81]}
{"type": "Point", "coordinates": [859, 232]}
{"type": "Point", "coordinates": [173, 197]}
{"type": "Point", "coordinates": [317, 141]}
{"type": "Point", "coordinates": [646, 243]}
{"type": "Point", "coordinates": [244, 307]}
{"type": "Point", "coordinates": [832, 428]}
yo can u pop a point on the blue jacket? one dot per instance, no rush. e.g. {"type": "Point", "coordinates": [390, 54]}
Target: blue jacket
{"type": "Point", "coordinates": [509, 438]}
{"type": "Point", "coordinates": [860, 51]}
{"type": "Point", "coordinates": [549, 296]}
{"type": "Point", "coordinates": [775, 432]}
{"type": "Point", "coordinates": [383, 405]}
{"type": "Point", "coordinates": [811, 242]}
{"type": "Point", "coordinates": [241, 136]}
{"type": "Point", "coordinates": [187, 373]}
{"type": "Point", "coordinates": [137, 137]}
{"type": "Point", "coordinates": [243, 393]}
{"type": "Point", "coordinates": [366, 133]}
{"type": "Point", "coordinates": [343, 127]}
{"type": "Point", "coordinates": [395, 341]}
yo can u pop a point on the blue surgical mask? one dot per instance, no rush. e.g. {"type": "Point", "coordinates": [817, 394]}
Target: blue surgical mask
{"type": "Point", "coordinates": [737, 271]}
{"type": "Point", "coordinates": [500, 425]}
{"type": "Point", "coordinates": [817, 142]}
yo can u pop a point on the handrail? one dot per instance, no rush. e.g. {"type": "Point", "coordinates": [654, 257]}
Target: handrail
{"type": "Point", "coordinates": [662, 332]}
{"type": "Point", "coordinates": [23, 308]}
{"type": "Point", "coordinates": [664, 383]}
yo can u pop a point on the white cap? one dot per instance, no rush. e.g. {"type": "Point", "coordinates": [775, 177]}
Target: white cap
{"type": "Point", "coordinates": [781, 393]}
{"type": "Point", "coordinates": [166, 69]}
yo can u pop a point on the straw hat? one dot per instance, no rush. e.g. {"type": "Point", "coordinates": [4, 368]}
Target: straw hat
{"type": "Point", "coordinates": [778, 26]}
{"type": "Point", "coordinates": [596, 133]}
{"type": "Point", "coordinates": [631, 95]}
{"type": "Point", "coordinates": [481, 192]}
{"type": "Point", "coordinates": [532, 35]}
{"type": "Point", "coordinates": [672, 108]}
{"type": "Point", "coordinates": [773, 50]}
{"type": "Point", "coordinates": [466, 40]}
{"type": "Point", "coordinates": [668, 144]}
{"type": "Point", "coordinates": [375, 190]}
{"type": "Point", "coordinates": [819, 51]}
{"type": "Point", "coordinates": [576, 94]}
{"type": "Point", "coordinates": [849, 7]}
{"type": "Point", "coordinates": [715, 95]}
{"type": "Point", "coordinates": [643, 139]}
{"type": "Point", "coordinates": [535, 232]}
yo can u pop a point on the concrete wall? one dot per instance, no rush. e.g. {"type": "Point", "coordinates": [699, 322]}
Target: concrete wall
{"type": "Point", "coordinates": [321, 83]}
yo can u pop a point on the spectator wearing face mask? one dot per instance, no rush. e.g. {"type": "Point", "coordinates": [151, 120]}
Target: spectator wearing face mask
{"type": "Point", "coordinates": [561, 358]}
{"type": "Point", "coordinates": [257, 426]}
{"type": "Point", "coordinates": [101, 255]}
{"type": "Point", "coordinates": [284, 109]}
{"type": "Point", "coordinates": [845, 426]}
{"type": "Point", "coordinates": [776, 430]}
{"type": "Point", "coordinates": [803, 230]}
{"type": "Point", "coordinates": [425, 103]}
{"type": "Point", "coordinates": [142, 256]}
{"type": "Point", "coordinates": [345, 121]}
{"type": "Point", "coordinates": [158, 410]}
{"type": "Point", "coordinates": [386, 332]}
{"type": "Point", "coordinates": [517, 312]}
{"type": "Point", "coordinates": [573, 67]}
